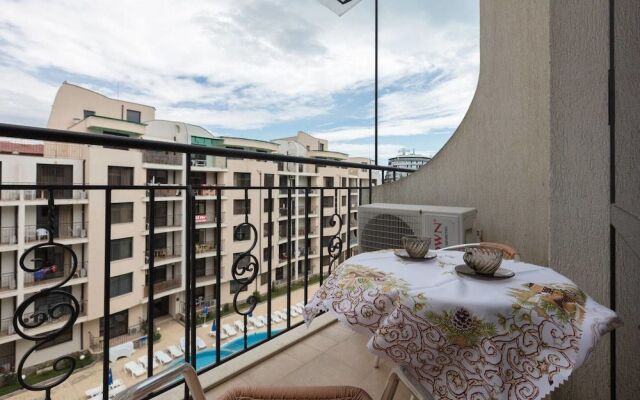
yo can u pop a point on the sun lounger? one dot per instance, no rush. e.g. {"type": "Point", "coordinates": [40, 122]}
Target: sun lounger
{"type": "Point", "coordinates": [239, 325]}
{"type": "Point", "coordinates": [162, 357]}
{"type": "Point", "coordinates": [174, 351]}
{"type": "Point", "coordinates": [257, 322]}
{"type": "Point", "coordinates": [199, 343]}
{"type": "Point", "coordinates": [228, 329]}
{"type": "Point", "coordinates": [143, 361]}
{"type": "Point", "coordinates": [134, 369]}
{"type": "Point", "coordinates": [276, 318]}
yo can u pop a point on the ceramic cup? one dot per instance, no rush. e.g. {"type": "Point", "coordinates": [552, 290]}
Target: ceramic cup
{"type": "Point", "coordinates": [482, 260]}
{"type": "Point", "coordinates": [416, 247]}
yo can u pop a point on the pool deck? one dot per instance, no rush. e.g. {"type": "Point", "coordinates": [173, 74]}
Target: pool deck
{"type": "Point", "coordinates": [172, 331]}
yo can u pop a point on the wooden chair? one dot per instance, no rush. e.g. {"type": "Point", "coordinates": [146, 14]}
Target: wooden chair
{"type": "Point", "coordinates": [508, 252]}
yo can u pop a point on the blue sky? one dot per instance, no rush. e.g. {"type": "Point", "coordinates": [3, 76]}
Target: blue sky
{"type": "Point", "coordinates": [253, 68]}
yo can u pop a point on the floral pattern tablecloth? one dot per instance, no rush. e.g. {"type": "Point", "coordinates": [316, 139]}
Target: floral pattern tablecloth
{"type": "Point", "coordinates": [462, 337]}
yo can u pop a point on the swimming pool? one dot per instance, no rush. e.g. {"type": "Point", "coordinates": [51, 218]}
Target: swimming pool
{"type": "Point", "coordinates": [208, 357]}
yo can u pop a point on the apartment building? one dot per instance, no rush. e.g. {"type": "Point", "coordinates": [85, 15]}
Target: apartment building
{"type": "Point", "coordinates": [80, 218]}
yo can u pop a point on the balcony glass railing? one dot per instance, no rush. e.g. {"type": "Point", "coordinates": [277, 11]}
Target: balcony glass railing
{"type": "Point", "coordinates": [159, 157]}
{"type": "Point", "coordinates": [49, 275]}
{"type": "Point", "coordinates": [250, 275]}
{"type": "Point", "coordinates": [163, 221]}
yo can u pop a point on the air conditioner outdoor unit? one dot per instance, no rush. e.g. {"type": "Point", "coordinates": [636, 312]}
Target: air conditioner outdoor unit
{"type": "Point", "coordinates": [382, 225]}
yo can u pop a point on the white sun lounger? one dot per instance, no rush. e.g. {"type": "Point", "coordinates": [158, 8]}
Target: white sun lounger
{"type": "Point", "coordinates": [143, 361]}
{"type": "Point", "coordinates": [199, 343]}
{"type": "Point", "coordinates": [162, 357]}
{"type": "Point", "coordinates": [298, 308]}
{"type": "Point", "coordinates": [257, 322]}
{"type": "Point", "coordinates": [228, 329]}
{"type": "Point", "coordinates": [134, 369]}
{"type": "Point", "coordinates": [174, 351]}
{"type": "Point", "coordinates": [239, 325]}
{"type": "Point", "coordinates": [278, 317]}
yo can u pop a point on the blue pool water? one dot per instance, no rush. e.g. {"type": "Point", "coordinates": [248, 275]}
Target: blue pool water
{"type": "Point", "coordinates": [208, 357]}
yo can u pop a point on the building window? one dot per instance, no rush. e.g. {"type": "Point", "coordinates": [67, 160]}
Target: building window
{"type": "Point", "coordinates": [328, 181]}
{"type": "Point", "coordinates": [266, 253]}
{"type": "Point", "coordinates": [241, 232]}
{"type": "Point", "coordinates": [157, 176]}
{"type": "Point", "coordinates": [242, 179]}
{"type": "Point", "coordinates": [133, 116]}
{"type": "Point", "coordinates": [235, 287]}
{"type": "Point", "coordinates": [201, 207]}
{"type": "Point", "coordinates": [121, 213]}
{"type": "Point", "coordinates": [120, 176]}
{"type": "Point", "coordinates": [118, 324]}
{"type": "Point", "coordinates": [121, 249]}
{"type": "Point", "coordinates": [269, 180]}
{"type": "Point", "coordinates": [88, 113]}
{"type": "Point", "coordinates": [264, 278]}
{"type": "Point", "coordinates": [326, 221]}
{"type": "Point", "coordinates": [267, 229]}
{"type": "Point", "coordinates": [268, 205]}
{"type": "Point", "coordinates": [241, 207]}
{"type": "Point", "coordinates": [327, 201]}
{"type": "Point", "coordinates": [121, 284]}
{"type": "Point", "coordinates": [321, 146]}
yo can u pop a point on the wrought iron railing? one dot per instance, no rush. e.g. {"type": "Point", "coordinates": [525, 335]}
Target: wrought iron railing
{"type": "Point", "coordinates": [245, 269]}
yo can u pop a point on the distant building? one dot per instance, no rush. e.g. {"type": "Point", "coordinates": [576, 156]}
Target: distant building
{"type": "Point", "coordinates": [406, 159]}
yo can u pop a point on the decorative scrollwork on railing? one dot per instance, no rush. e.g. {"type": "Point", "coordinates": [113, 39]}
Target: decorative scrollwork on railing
{"type": "Point", "coordinates": [23, 321]}
{"type": "Point", "coordinates": [334, 245]}
{"type": "Point", "coordinates": [245, 270]}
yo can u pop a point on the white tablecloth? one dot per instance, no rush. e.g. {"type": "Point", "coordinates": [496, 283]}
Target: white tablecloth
{"type": "Point", "coordinates": [122, 350]}
{"type": "Point", "coordinates": [463, 337]}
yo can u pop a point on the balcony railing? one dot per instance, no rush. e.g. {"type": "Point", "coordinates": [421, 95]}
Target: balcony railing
{"type": "Point", "coordinates": [208, 218]}
{"type": "Point", "coordinates": [7, 281]}
{"type": "Point", "coordinates": [205, 274]}
{"type": "Point", "coordinates": [7, 364]}
{"type": "Point", "coordinates": [8, 235]}
{"type": "Point", "coordinates": [71, 230]}
{"type": "Point", "coordinates": [43, 316]}
{"type": "Point", "coordinates": [164, 286]}
{"type": "Point", "coordinates": [164, 221]}
{"type": "Point", "coordinates": [160, 157]}
{"type": "Point", "coordinates": [244, 278]}
{"type": "Point", "coordinates": [44, 277]}
{"type": "Point", "coordinates": [164, 252]}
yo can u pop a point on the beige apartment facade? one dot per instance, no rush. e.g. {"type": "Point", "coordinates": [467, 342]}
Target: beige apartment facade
{"type": "Point", "coordinates": [81, 218]}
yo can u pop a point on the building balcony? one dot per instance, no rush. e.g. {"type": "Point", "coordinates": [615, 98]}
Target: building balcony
{"type": "Point", "coordinates": [164, 254]}
{"type": "Point", "coordinates": [162, 158]}
{"type": "Point", "coordinates": [211, 163]}
{"type": "Point", "coordinates": [72, 230]}
{"type": "Point", "coordinates": [46, 277]}
{"type": "Point", "coordinates": [8, 235]}
{"type": "Point", "coordinates": [7, 281]}
{"type": "Point", "coordinates": [164, 221]}
{"type": "Point", "coordinates": [100, 124]}
{"type": "Point", "coordinates": [45, 318]}
{"type": "Point", "coordinates": [208, 220]}
{"type": "Point", "coordinates": [164, 286]}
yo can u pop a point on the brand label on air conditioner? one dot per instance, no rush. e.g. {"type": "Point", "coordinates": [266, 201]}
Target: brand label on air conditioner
{"type": "Point", "coordinates": [444, 232]}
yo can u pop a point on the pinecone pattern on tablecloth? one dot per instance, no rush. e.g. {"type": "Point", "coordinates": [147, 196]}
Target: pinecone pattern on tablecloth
{"type": "Point", "coordinates": [462, 320]}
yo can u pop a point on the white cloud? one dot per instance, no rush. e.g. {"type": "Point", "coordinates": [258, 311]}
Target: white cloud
{"type": "Point", "coordinates": [236, 65]}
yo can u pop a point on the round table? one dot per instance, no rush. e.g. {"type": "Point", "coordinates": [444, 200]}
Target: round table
{"type": "Point", "coordinates": [460, 336]}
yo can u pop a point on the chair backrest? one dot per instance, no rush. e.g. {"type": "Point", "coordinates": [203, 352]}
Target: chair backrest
{"type": "Point", "coordinates": [508, 252]}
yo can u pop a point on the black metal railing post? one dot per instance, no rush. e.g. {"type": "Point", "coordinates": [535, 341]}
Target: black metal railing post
{"type": "Point", "coordinates": [348, 222]}
{"type": "Point", "coordinates": [218, 239]}
{"type": "Point", "coordinates": [307, 227]}
{"type": "Point", "coordinates": [269, 260]}
{"type": "Point", "coordinates": [151, 281]}
{"type": "Point", "coordinates": [107, 294]}
{"type": "Point", "coordinates": [289, 257]}
{"type": "Point", "coordinates": [321, 235]}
